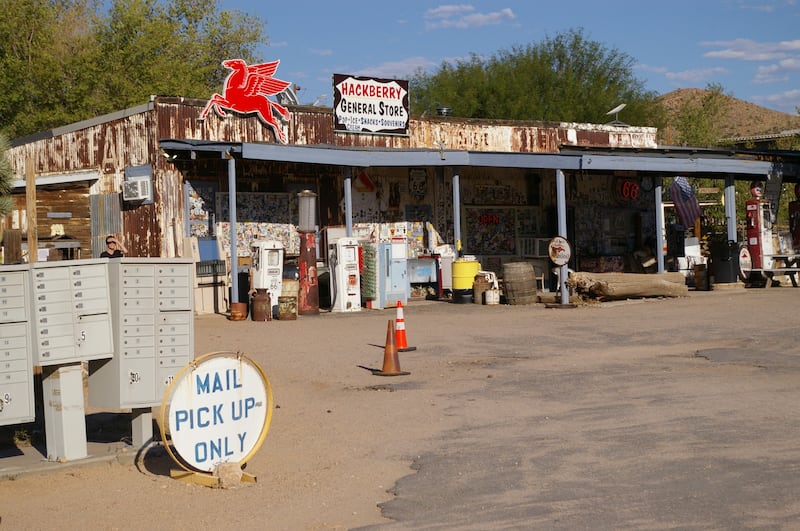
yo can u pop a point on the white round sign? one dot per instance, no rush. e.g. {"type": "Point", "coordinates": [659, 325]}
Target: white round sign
{"type": "Point", "coordinates": [219, 407]}
{"type": "Point", "coordinates": [560, 251]}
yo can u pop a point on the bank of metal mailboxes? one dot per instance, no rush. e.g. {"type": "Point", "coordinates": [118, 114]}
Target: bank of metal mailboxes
{"type": "Point", "coordinates": [152, 305]}
{"type": "Point", "coordinates": [16, 347]}
{"type": "Point", "coordinates": [71, 320]}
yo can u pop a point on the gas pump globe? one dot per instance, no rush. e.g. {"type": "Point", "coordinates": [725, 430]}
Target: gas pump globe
{"type": "Point", "coordinates": [759, 228]}
{"type": "Point", "coordinates": [267, 269]}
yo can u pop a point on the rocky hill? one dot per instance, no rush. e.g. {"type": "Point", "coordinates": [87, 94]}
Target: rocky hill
{"type": "Point", "coordinates": [739, 118]}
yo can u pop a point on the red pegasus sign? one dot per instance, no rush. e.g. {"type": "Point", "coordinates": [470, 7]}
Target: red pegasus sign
{"type": "Point", "coordinates": [246, 90]}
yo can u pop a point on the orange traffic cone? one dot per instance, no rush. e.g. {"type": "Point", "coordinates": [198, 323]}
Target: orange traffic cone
{"type": "Point", "coordinates": [391, 362]}
{"type": "Point", "coordinates": [400, 331]}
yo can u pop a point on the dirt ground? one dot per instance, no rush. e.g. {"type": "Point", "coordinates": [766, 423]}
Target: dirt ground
{"type": "Point", "coordinates": [644, 414]}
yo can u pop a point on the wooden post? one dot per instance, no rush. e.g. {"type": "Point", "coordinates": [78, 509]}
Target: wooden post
{"type": "Point", "coordinates": [30, 211]}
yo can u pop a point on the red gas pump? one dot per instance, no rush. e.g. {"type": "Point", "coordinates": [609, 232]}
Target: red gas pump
{"type": "Point", "coordinates": [759, 228]}
{"type": "Point", "coordinates": [794, 219]}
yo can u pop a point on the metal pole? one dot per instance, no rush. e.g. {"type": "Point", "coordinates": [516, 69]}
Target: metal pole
{"type": "Point", "coordinates": [234, 243]}
{"type": "Point", "coordinates": [457, 212]}
{"type": "Point", "coordinates": [659, 250]}
{"type": "Point", "coordinates": [561, 208]}
{"type": "Point", "coordinates": [730, 208]}
{"type": "Point", "coordinates": [348, 202]}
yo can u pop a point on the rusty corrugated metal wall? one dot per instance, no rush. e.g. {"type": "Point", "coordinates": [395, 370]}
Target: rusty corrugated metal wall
{"type": "Point", "coordinates": [109, 144]}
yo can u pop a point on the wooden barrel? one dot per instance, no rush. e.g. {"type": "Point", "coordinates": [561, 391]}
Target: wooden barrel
{"type": "Point", "coordinates": [519, 283]}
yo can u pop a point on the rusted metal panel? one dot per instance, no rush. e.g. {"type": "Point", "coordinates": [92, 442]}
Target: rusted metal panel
{"type": "Point", "coordinates": [108, 144]}
{"type": "Point", "coordinates": [106, 220]}
{"type": "Point", "coordinates": [179, 118]}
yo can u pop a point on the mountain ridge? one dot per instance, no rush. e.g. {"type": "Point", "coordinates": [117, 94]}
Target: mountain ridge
{"type": "Point", "coordinates": [738, 118]}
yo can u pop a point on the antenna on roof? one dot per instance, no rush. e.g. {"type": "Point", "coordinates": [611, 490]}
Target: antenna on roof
{"type": "Point", "coordinates": [615, 112]}
{"type": "Point", "coordinates": [287, 96]}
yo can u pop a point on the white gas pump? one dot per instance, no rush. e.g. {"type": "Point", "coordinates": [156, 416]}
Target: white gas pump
{"type": "Point", "coordinates": [346, 292]}
{"type": "Point", "coordinates": [266, 269]}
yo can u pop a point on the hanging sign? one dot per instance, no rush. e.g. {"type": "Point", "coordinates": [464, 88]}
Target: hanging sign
{"type": "Point", "coordinates": [370, 105]}
{"type": "Point", "coordinates": [219, 408]}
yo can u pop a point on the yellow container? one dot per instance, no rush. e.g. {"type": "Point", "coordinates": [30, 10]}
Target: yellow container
{"type": "Point", "coordinates": [464, 272]}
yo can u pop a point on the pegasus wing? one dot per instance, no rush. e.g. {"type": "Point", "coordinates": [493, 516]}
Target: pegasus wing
{"type": "Point", "coordinates": [266, 86]}
{"type": "Point", "coordinates": [264, 69]}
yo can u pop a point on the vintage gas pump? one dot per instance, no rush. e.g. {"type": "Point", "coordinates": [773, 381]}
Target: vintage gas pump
{"type": "Point", "coordinates": [794, 219]}
{"type": "Point", "coordinates": [346, 279]}
{"type": "Point", "coordinates": [759, 228]}
{"type": "Point", "coordinates": [267, 270]}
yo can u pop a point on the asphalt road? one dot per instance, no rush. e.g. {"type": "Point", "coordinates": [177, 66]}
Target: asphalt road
{"type": "Point", "coordinates": [648, 414]}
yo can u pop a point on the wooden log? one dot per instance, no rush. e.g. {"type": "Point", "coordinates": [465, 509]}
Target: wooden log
{"type": "Point", "coordinates": [614, 286]}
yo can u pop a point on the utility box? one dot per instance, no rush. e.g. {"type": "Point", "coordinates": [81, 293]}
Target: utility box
{"type": "Point", "coordinates": [392, 274]}
{"type": "Point", "coordinates": [152, 304]}
{"type": "Point", "coordinates": [71, 319]}
{"type": "Point", "coordinates": [16, 346]}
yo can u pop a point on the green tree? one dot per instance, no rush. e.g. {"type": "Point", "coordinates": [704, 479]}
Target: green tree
{"type": "Point", "coordinates": [565, 78]}
{"type": "Point", "coordinates": [169, 48]}
{"type": "Point", "coordinates": [67, 60]}
{"type": "Point", "coordinates": [6, 177]}
{"type": "Point", "coordinates": [42, 58]}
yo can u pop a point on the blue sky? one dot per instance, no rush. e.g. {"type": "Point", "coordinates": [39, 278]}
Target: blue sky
{"type": "Point", "coordinates": [750, 47]}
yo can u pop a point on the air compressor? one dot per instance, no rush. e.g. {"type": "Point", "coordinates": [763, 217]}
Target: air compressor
{"type": "Point", "coordinates": [346, 285]}
{"type": "Point", "coordinates": [266, 270]}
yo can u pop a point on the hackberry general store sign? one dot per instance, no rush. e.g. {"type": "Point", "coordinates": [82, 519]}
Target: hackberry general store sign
{"type": "Point", "coordinates": [219, 408]}
{"type": "Point", "coordinates": [370, 105]}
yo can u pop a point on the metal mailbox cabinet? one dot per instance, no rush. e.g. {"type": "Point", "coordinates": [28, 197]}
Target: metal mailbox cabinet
{"type": "Point", "coordinates": [71, 311]}
{"type": "Point", "coordinates": [152, 304]}
{"type": "Point", "coordinates": [16, 347]}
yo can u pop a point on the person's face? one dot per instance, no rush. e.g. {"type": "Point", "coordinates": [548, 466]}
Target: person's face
{"type": "Point", "coordinates": [111, 244]}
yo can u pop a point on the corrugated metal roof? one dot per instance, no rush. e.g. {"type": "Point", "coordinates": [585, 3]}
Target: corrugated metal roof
{"type": "Point", "coordinates": [671, 160]}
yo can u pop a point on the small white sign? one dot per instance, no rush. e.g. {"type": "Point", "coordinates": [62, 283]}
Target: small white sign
{"type": "Point", "coordinates": [560, 251]}
{"type": "Point", "coordinates": [219, 408]}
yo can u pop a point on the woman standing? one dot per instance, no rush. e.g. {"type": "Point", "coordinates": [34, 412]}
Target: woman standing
{"type": "Point", "coordinates": [114, 248]}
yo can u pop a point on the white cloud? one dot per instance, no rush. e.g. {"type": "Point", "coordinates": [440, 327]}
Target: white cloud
{"type": "Point", "coordinates": [770, 74]}
{"type": "Point", "coordinates": [448, 11]}
{"type": "Point", "coordinates": [654, 69]}
{"type": "Point", "coordinates": [783, 101]}
{"type": "Point", "coordinates": [321, 51]}
{"type": "Point", "coordinates": [792, 63]}
{"type": "Point", "coordinates": [750, 50]}
{"type": "Point", "coordinates": [462, 16]}
{"type": "Point", "coordinates": [402, 69]}
{"type": "Point", "coordinates": [768, 7]}
{"type": "Point", "coordinates": [695, 76]}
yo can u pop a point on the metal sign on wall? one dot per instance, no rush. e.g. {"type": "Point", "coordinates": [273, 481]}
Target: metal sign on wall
{"type": "Point", "coordinates": [370, 105]}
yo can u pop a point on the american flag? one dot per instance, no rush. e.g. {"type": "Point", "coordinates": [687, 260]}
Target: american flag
{"type": "Point", "coordinates": [685, 201]}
